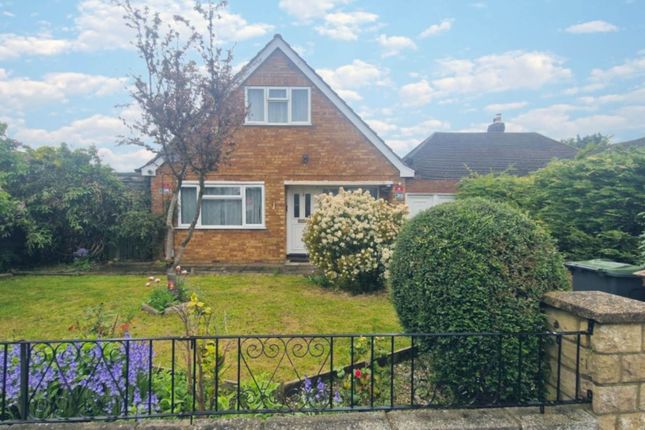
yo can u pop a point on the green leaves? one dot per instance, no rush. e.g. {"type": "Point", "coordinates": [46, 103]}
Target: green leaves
{"type": "Point", "coordinates": [474, 266]}
{"type": "Point", "coordinates": [54, 200]}
{"type": "Point", "coordinates": [590, 204]}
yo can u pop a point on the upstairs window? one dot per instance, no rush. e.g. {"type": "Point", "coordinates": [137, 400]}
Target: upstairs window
{"type": "Point", "coordinates": [278, 105]}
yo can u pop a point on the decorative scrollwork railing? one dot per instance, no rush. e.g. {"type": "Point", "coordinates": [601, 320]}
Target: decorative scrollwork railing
{"type": "Point", "coordinates": [82, 380]}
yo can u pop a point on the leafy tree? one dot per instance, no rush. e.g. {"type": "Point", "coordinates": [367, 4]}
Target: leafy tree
{"type": "Point", "coordinates": [70, 200]}
{"type": "Point", "coordinates": [54, 200]}
{"type": "Point", "coordinates": [8, 163]}
{"type": "Point", "coordinates": [589, 144]}
{"type": "Point", "coordinates": [590, 204]}
{"type": "Point", "coordinates": [188, 117]}
{"type": "Point", "coordinates": [641, 247]}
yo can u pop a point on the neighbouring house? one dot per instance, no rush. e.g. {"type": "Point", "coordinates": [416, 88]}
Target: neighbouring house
{"type": "Point", "coordinates": [636, 143]}
{"type": "Point", "coordinates": [299, 139]}
{"type": "Point", "coordinates": [443, 159]}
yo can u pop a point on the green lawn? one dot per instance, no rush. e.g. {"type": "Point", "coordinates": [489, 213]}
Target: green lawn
{"type": "Point", "coordinates": [44, 307]}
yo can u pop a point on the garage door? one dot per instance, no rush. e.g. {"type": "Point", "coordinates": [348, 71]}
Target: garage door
{"type": "Point", "coordinates": [418, 202]}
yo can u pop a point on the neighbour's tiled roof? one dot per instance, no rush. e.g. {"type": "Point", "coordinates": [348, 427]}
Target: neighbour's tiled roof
{"type": "Point", "coordinates": [633, 143]}
{"type": "Point", "coordinates": [456, 155]}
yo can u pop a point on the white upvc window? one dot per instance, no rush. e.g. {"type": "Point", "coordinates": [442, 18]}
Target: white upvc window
{"type": "Point", "coordinates": [225, 205]}
{"type": "Point", "coordinates": [278, 105]}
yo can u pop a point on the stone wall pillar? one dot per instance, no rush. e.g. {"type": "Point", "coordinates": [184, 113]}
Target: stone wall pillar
{"type": "Point", "coordinates": [611, 358]}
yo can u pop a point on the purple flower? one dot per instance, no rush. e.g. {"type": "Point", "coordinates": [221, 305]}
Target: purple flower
{"type": "Point", "coordinates": [320, 386]}
{"type": "Point", "coordinates": [92, 371]}
{"type": "Point", "coordinates": [307, 388]}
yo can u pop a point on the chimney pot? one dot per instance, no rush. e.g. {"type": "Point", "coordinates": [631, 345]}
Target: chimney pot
{"type": "Point", "coordinates": [497, 126]}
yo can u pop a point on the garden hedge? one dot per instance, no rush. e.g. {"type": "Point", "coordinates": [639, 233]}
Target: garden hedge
{"type": "Point", "coordinates": [476, 266]}
{"type": "Point", "coordinates": [590, 205]}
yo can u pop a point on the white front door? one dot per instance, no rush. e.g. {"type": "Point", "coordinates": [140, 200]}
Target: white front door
{"type": "Point", "coordinates": [300, 205]}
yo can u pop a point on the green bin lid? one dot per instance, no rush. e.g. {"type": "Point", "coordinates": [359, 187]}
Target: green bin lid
{"type": "Point", "coordinates": [612, 268]}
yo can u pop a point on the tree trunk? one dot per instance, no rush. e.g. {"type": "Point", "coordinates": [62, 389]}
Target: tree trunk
{"type": "Point", "coordinates": [170, 230]}
{"type": "Point", "coordinates": [191, 229]}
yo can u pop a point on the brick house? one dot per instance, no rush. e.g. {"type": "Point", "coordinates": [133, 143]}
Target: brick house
{"type": "Point", "coordinates": [299, 139]}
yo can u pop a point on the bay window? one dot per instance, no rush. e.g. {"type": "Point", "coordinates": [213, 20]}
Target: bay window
{"type": "Point", "coordinates": [278, 105]}
{"type": "Point", "coordinates": [224, 205]}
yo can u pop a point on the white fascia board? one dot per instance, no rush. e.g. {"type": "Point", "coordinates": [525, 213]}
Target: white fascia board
{"type": "Point", "coordinates": [150, 168]}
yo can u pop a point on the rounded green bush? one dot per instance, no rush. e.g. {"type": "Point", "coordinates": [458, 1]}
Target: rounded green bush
{"type": "Point", "coordinates": [477, 266]}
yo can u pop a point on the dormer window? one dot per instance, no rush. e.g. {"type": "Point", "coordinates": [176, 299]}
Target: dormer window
{"type": "Point", "coordinates": [278, 105]}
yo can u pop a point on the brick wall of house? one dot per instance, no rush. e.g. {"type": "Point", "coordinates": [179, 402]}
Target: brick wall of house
{"type": "Point", "coordinates": [417, 185]}
{"type": "Point", "coordinates": [337, 151]}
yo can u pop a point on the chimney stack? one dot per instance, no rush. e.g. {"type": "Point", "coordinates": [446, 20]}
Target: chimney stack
{"type": "Point", "coordinates": [497, 126]}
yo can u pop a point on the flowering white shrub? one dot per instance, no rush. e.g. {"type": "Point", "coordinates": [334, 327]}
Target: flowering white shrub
{"type": "Point", "coordinates": [350, 237]}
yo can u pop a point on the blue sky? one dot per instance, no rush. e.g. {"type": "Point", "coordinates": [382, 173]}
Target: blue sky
{"type": "Point", "coordinates": [409, 68]}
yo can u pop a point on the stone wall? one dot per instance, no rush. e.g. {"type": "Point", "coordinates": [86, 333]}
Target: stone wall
{"type": "Point", "coordinates": [612, 355]}
{"type": "Point", "coordinates": [557, 418]}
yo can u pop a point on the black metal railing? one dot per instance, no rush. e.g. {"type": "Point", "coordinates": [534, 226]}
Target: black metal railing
{"type": "Point", "coordinates": [127, 378]}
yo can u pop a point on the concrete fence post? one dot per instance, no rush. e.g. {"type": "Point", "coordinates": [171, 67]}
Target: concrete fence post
{"type": "Point", "coordinates": [611, 357]}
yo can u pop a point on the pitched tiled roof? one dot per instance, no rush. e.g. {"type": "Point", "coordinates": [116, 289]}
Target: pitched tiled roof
{"type": "Point", "coordinates": [633, 143]}
{"type": "Point", "coordinates": [456, 155]}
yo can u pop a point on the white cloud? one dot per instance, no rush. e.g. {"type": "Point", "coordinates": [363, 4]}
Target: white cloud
{"type": "Point", "coordinates": [424, 128]}
{"type": "Point", "coordinates": [636, 95]}
{"type": "Point", "coordinates": [589, 88]}
{"type": "Point", "coordinates": [416, 94]}
{"type": "Point", "coordinates": [99, 25]}
{"type": "Point", "coordinates": [402, 146]}
{"type": "Point", "coordinates": [487, 74]}
{"type": "Point", "coordinates": [435, 29]}
{"type": "Point", "coordinates": [596, 26]}
{"type": "Point", "coordinates": [382, 127]}
{"type": "Point", "coordinates": [102, 131]}
{"type": "Point", "coordinates": [346, 79]}
{"type": "Point", "coordinates": [94, 130]}
{"type": "Point", "coordinates": [72, 83]}
{"type": "Point", "coordinates": [306, 10]}
{"type": "Point", "coordinates": [125, 161]}
{"type": "Point", "coordinates": [13, 45]}
{"type": "Point", "coordinates": [345, 25]}
{"type": "Point", "coordinates": [393, 45]}
{"type": "Point", "coordinates": [17, 94]}
{"type": "Point", "coordinates": [504, 107]}
{"type": "Point", "coordinates": [630, 68]}
{"type": "Point", "coordinates": [564, 120]}
{"type": "Point", "coordinates": [403, 139]}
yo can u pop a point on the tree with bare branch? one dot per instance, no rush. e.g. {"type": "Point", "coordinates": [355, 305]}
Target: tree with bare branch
{"type": "Point", "coordinates": [189, 114]}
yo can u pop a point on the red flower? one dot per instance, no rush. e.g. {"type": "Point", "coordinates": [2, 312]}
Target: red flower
{"type": "Point", "coordinates": [357, 373]}
{"type": "Point", "coordinates": [171, 285]}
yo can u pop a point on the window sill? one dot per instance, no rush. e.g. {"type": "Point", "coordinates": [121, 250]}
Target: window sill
{"type": "Point", "coordinates": [267, 124]}
{"type": "Point", "coordinates": [233, 227]}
